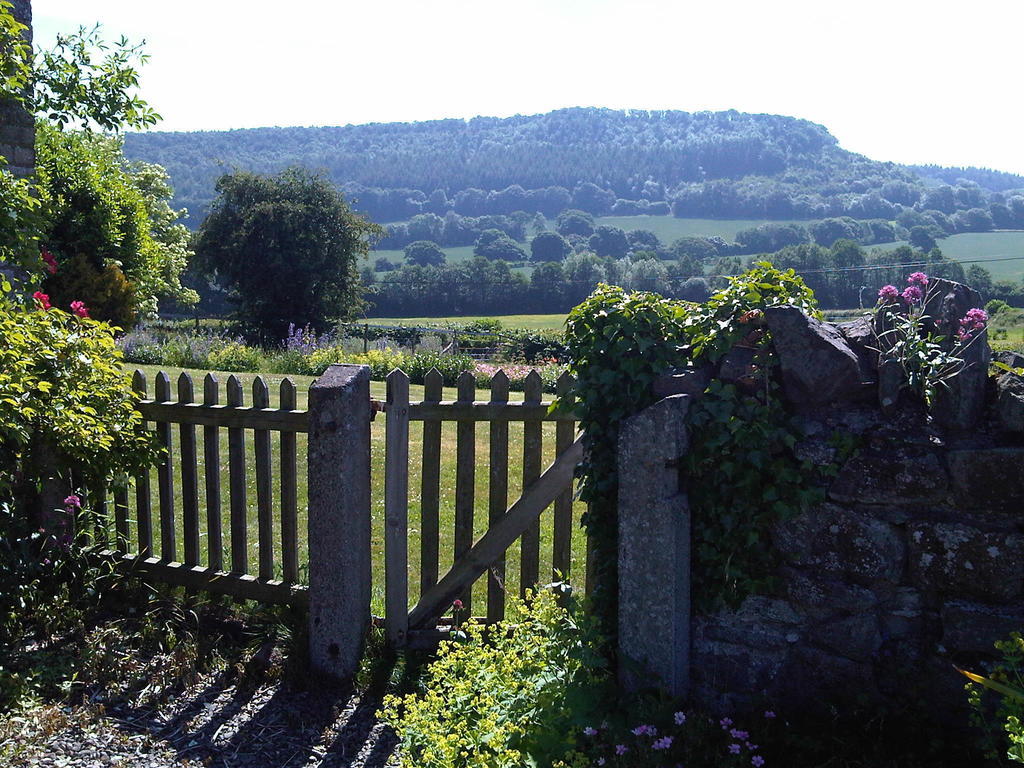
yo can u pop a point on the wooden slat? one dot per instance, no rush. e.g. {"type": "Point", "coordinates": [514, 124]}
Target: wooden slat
{"type": "Point", "coordinates": [492, 544]}
{"type": "Point", "coordinates": [236, 477]}
{"type": "Point", "coordinates": [264, 484]}
{"type": "Point", "coordinates": [165, 474]}
{"type": "Point", "coordinates": [289, 491]}
{"type": "Point", "coordinates": [189, 477]}
{"type": "Point", "coordinates": [430, 486]}
{"type": "Point", "coordinates": [237, 585]}
{"type": "Point", "coordinates": [226, 416]}
{"type": "Point", "coordinates": [121, 518]}
{"type": "Point", "coordinates": [532, 435]}
{"type": "Point", "coordinates": [465, 479]}
{"type": "Point", "coordinates": [456, 410]}
{"type": "Point", "coordinates": [143, 508]}
{"type": "Point", "coordinates": [561, 556]}
{"type": "Point", "coordinates": [101, 514]}
{"type": "Point", "coordinates": [211, 476]}
{"type": "Point", "coordinates": [497, 497]}
{"type": "Point", "coordinates": [396, 509]}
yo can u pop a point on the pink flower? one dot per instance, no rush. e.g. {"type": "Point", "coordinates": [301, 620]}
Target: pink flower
{"type": "Point", "coordinates": [662, 743]}
{"type": "Point", "coordinates": [738, 734]}
{"type": "Point", "coordinates": [79, 308]}
{"type": "Point", "coordinates": [680, 718]}
{"type": "Point", "coordinates": [50, 261]}
{"type": "Point", "coordinates": [918, 278]}
{"type": "Point", "coordinates": [621, 749]}
{"type": "Point", "coordinates": [888, 293]}
{"type": "Point", "coordinates": [588, 731]}
{"type": "Point", "coordinates": [975, 320]}
{"type": "Point", "coordinates": [734, 749]}
{"type": "Point", "coordinates": [757, 761]}
{"type": "Point", "coordinates": [72, 502]}
{"type": "Point", "coordinates": [642, 730]}
{"type": "Point", "coordinates": [912, 294]}
{"type": "Point", "coordinates": [457, 605]}
{"type": "Point", "coordinates": [41, 299]}
{"type": "Point", "coordinates": [725, 722]}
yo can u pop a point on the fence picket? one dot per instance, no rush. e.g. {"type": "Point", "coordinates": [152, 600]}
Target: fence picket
{"type": "Point", "coordinates": [165, 473]}
{"type": "Point", "coordinates": [396, 509]}
{"type": "Point", "coordinates": [143, 508]}
{"type": "Point", "coordinates": [121, 518]}
{"type": "Point", "coordinates": [532, 446]}
{"type": "Point", "coordinates": [289, 491]}
{"type": "Point", "coordinates": [211, 477]}
{"type": "Point", "coordinates": [561, 555]}
{"type": "Point", "coordinates": [101, 518]}
{"type": "Point", "coordinates": [236, 477]}
{"type": "Point", "coordinates": [430, 486]}
{"type": "Point", "coordinates": [497, 493]}
{"type": "Point", "coordinates": [264, 486]}
{"type": "Point", "coordinates": [465, 480]}
{"type": "Point", "coordinates": [189, 477]}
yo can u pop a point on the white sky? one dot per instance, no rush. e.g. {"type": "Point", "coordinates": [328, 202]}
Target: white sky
{"type": "Point", "coordinates": [903, 80]}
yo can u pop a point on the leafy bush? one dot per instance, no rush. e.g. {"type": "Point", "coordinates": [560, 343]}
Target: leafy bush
{"type": "Point", "coordinates": [995, 306]}
{"type": "Point", "coordinates": [507, 696]}
{"type": "Point", "coordinates": [1002, 731]}
{"type": "Point", "coordinates": [235, 356]}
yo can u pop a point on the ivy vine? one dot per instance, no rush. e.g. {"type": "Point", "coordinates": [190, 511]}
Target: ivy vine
{"type": "Point", "coordinates": [741, 473]}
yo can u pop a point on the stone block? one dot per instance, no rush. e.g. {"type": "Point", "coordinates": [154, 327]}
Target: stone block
{"type": "Point", "coordinates": [855, 637]}
{"type": "Point", "coordinates": [812, 678]}
{"type": "Point", "coordinates": [903, 614]}
{"type": "Point", "coordinates": [340, 574]}
{"type": "Point", "coordinates": [735, 668]}
{"type": "Point", "coordinates": [835, 541]}
{"type": "Point", "coordinates": [988, 479]}
{"type": "Point", "coordinates": [896, 476]}
{"type": "Point", "coordinates": [1010, 402]}
{"type": "Point", "coordinates": [818, 366]}
{"type": "Point", "coordinates": [682, 381]}
{"type": "Point", "coordinates": [860, 335]}
{"type": "Point", "coordinates": [822, 597]}
{"type": "Point", "coordinates": [974, 628]}
{"type": "Point", "coordinates": [761, 622]}
{"type": "Point", "coordinates": [654, 551]}
{"type": "Point", "coordinates": [952, 559]}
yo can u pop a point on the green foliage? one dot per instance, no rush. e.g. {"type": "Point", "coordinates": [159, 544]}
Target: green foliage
{"type": "Point", "coordinates": [235, 356]}
{"type": "Point", "coordinates": [85, 80]}
{"type": "Point", "coordinates": [619, 343]}
{"type": "Point", "coordinates": [996, 306]}
{"type": "Point", "coordinates": [1002, 731]}
{"type": "Point", "coordinates": [62, 390]}
{"type": "Point", "coordinates": [16, 61]}
{"type": "Point", "coordinates": [287, 247]}
{"type": "Point", "coordinates": [22, 226]}
{"type": "Point", "coordinates": [512, 695]}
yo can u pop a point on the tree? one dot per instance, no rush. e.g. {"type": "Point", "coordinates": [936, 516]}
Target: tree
{"type": "Point", "coordinates": [609, 242]}
{"type": "Point", "coordinates": [921, 238]}
{"type": "Point", "coordinates": [496, 245]}
{"type": "Point", "coordinates": [549, 246]}
{"type": "Point", "coordinates": [287, 247]}
{"type": "Point", "coordinates": [425, 253]}
{"type": "Point", "coordinates": [574, 222]}
{"type": "Point", "coordinates": [695, 248]}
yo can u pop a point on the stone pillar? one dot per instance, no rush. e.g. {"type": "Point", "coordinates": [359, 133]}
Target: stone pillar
{"type": "Point", "coordinates": [17, 127]}
{"type": "Point", "coordinates": [654, 550]}
{"type": "Point", "coordinates": [339, 520]}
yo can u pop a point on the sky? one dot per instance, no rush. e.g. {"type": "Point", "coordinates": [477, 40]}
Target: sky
{"type": "Point", "coordinates": [900, 80]}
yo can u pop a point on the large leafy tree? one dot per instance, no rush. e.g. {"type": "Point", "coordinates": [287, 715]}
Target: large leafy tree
{"type": "Point", "coordinates": [287, 247]}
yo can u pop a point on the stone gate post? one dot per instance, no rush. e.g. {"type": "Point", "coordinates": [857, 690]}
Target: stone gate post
{"type": "Point", "coordinates": [654, 551]}
{"type": "Point", "coordinates": [339, 520]}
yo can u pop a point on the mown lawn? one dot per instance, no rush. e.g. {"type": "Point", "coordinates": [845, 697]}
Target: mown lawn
{"type": "Point", "coordinates": [377, 469]}
{"type": "Point", "coordinates": [529, 322]}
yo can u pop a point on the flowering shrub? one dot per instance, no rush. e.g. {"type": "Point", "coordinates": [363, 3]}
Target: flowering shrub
{"type": "Point", "coordinates": [927, 361]}
{"type": "Point", "coordinates": [235, 356]}
{"type": "Point", "coordinates": [514, 695]}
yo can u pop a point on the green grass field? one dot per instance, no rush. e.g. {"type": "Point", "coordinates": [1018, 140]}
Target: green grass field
{"type": "Point", "coordinates": [447, 507]}
{"type": "Point", "coordinates": [984, 248]}
{"type": "Point", "coordinates": [530, 322]}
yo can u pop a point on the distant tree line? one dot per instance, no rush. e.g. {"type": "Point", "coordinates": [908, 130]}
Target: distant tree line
{"type": "Point", "coordinates": [706, 164]}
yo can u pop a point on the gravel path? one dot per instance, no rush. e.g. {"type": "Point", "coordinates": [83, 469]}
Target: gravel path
{"type": "Point", "coordinates": [212, 724]}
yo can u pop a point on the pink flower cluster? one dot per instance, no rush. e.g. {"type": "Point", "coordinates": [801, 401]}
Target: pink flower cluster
{"type": "Point", "coordinates": [912, 294]}
{"type": "Point", "coordinates": [975, 320]}
{"type": "Point", "coordinates": [49, 261]}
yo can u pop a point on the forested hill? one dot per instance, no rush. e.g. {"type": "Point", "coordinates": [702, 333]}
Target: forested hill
{"type": "Point", "coordinates": [726, 164]}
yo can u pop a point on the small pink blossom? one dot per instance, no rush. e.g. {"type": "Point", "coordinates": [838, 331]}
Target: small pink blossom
{"type": "Point", "coordinates": [912, 294]}
{"type": "Point", "coordinates": [888, 293]}
{"type": "Point", "coordinates": [41, 299]}
{"type": "Point", "coordinates": [49, 260]}
{"type": "Point", "coordinates": [621, 749]}
{"type": "Point", "coordinates": [663, 743]}
{"type": "Point", "coordinates": [588, 731]}
{"type": "Point", "coordinates": [738, 734]}
{"type": "Point", "coordinates": [645, 730]}
{"type": "Point", "coordinates": [725, 722]}
{"type": "Point", "coordinates": [72, 502]}
{"type": "Point", "coordinates": [734, 749]}
{"type": "Point", "coordinates": [680, 718]}
{"type": "Point", "coordinates": [79, 308]}
{"type": "Point", "coordinates": [757, 761]}
{"type": "Point", "coordinates": [918, 278]}
{"type": "Point", "coordinates": [457, 605]}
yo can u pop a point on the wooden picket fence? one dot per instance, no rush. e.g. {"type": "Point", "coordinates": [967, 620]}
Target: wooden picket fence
{"type": "Point", "coordinates": [466, 412]}
{"type": "Point", "coordinates": [185, 539]}
{"type": "Point", "coordinates": [205, 567]}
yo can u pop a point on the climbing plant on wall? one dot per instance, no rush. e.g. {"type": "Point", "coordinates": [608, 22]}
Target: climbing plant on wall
{"type": "Point", "coordinates": [741, 472]}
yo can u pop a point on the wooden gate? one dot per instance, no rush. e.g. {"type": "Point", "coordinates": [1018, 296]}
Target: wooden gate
{"type": "Point", "coordinates": [506, 523]}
